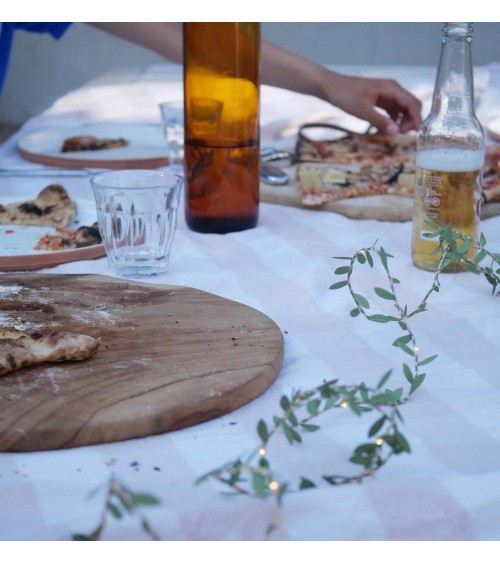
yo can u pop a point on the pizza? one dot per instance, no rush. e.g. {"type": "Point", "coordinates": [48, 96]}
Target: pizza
{"type": "Point", "coordinates": [67, 238]}
{"type": "Point", "coordinates": [360, 165]}
{"type": "Point", "coordinates": [20, 349]}
{"type": "Point", "coordinates": [51, 208]}
{"type": "Point", "coordinates": [91, 143]}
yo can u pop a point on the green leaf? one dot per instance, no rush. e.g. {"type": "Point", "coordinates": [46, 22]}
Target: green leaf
{"type": "Point", "coordinates": [306, 484]}
{"type": "Point", "coordinates": [361, 301]}
{"type": "Point", "coordinates": [482, 240]}
{"type": "Point", "coordinates": [360, 257]}
{"type": "Point", "coordinates": [292, 419]}
{"type": "Point", "coordinates": [408, 373]}
{"type": "Point", "coordinates": [369, 258]}
{"type": "Point", "coordinates": [262, 431]}
{"type": "Point", "coordinates": [464, 247]}
{"type": "Point", "coordinates": [417, 382]}
{"type": "Point", "coordinates": [259, 483]}
{"type": "Point", "coordinates": [313, 406]}
{"type": "Point", "coordinates": [144, 499]}
{"type": "Point", "coordinates": [403, 445]}
{"type": "Point", "coordinates": [310, 427]}
{"type": "Point", "coordinates": [342, 270]}
{"type": "Point", "coordinates": [396, 395]}
{"type": "Point", "coordinates": [115, 511]}
{"type": "Point", "coordinates": [291, 435]}
{"type": "Point", "coordinates": [402, 341]}
{"type": "Point", "coordinates": [358, 460]}
{"type": "Point", "coordinates": [339, 284]}
{"type": "Point", "coordinates": [384, 379]}
{"type": "Point", "coordinates": [93, 536]}
{"type": "Point", "coordinates": [427, 360]}
{"type": "Point", "coordinates": [384, 294]}
{"type": "Point", "coordinates": [354, 313]}
{"type": "Point", "coordinates": [355, 407]}
{"type": "Point", "coordinates": [381, 318]}
{"type": "Point", "coordinates": [376, 426]}
{"type": "Point", "coordinates": [383, 258]}
{"type": "Point", "coordinates": [285, 403]}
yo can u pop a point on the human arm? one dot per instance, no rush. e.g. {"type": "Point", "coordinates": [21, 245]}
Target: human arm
{"type": "Point", "coordinates": [356, 95]}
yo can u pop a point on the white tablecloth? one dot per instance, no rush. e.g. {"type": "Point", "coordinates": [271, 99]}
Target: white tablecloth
{"type": "Point", "coordinates": [448, 488]}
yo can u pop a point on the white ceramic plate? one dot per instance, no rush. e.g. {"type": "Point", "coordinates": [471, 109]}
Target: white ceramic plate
{"type": "Point", "coordinates": [146, 148]}
{"type": "Point", "coordinates": [17, 243]}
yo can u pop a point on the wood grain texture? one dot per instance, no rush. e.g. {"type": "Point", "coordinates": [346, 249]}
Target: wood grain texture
{"type": "Point", "coordinates": [380, 207]}
{"type": "Point", "coordinates": [170, 357]}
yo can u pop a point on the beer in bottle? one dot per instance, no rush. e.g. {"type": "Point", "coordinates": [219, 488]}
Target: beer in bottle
{"type": "Point", "coordinates": [450, 152]}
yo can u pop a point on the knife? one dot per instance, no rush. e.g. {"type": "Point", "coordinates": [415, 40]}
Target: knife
{"type": "Point", "coordinates": [43, 172]}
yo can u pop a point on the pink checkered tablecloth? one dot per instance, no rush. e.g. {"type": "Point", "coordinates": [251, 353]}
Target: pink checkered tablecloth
{"type": "Point", "coordinates": [448, 488]}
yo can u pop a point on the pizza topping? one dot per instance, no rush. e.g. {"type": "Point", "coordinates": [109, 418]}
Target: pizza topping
{"type": "Point", "coordinates": [364, 165]}
{"type": "Point", "coordinates": [20, 349]}
{"type": "Point", "coordinates": [91, 143]}
{"type": "Point", "coordinates": [52, 207]}
{"type": "Point", "coordinates": [66, 238]}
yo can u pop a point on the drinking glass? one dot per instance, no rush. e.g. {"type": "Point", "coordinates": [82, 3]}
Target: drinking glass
{"type": "Point", "coordinates": [137, 218]}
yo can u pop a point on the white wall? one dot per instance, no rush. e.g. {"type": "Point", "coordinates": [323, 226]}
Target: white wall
{"type": "Point", "coordinates": [42, 69]}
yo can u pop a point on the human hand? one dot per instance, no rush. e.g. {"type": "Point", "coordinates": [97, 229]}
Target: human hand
{"type": "Point", "coordinates": [366, 97]}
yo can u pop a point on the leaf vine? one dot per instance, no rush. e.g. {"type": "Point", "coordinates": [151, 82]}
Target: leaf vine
{"type": "Point", "coordinates": [254, 475]}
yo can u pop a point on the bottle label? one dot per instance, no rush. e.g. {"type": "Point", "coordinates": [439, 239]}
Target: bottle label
{"type": "Point", "coordinates": [444, 197]}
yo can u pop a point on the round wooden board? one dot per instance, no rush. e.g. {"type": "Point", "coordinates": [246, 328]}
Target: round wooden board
{"type": "Point", "coordinates": [170, 357]}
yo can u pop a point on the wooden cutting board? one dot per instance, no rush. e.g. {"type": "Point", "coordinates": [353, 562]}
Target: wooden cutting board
{"type": "Point", "coordinates": [170, 357]}
{"type": "Point", "coordinates": [379, 207]}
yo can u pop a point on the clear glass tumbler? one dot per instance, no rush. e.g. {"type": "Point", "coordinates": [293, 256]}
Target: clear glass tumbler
{"type": "Point", "coordinates": [172, 115]}
{"type": "Point", "coordinates": [137, 217]}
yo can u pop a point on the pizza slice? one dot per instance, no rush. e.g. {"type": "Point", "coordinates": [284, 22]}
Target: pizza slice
{"type": "Point", "coordinates": [91, 143]}
{"type": "Point", "coordinates": [491, 175]}
{"type": "Point", "coordinates": [319, 184]}
{"type": "Point", "coordinates": [51, 208]}
{"type": "Point", "coordinates": [358, 149]}
{"type": "Point", "coordinates": [67, 239]}
{"type": "Point", "coordinates": [20, 349]}
{"type": "Point", "coordinates": [377, 164]}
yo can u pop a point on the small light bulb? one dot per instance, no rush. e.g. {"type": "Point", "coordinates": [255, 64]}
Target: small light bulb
{"type": "Point", "coordinates": [379, 441]}
{"type": "Point", "coordinates": [343, 404]}
{"type": "Point", "coordinates": [274, 485]}
{"type": "Point", "coordinates": [262, 451]}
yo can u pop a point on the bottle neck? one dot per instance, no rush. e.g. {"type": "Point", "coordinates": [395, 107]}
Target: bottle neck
{"type": "Point", "coordinates": [454, 90]}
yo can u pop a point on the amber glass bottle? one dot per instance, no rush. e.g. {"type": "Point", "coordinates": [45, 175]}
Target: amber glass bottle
{"type": "Point", "coordinates": [221, 100]}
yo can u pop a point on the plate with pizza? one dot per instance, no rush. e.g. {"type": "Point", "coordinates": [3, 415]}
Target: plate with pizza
{"type": "Point", "coordinates": [98, 145]}
{"type": "Point", "coordinates": [47, 230]}
{"type": "Point", "coordinates": [364, 176]}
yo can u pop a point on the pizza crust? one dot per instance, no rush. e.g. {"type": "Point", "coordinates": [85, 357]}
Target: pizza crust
{"type": "Point", "coordinates": [22, 349]}
{"type": "Point", "coordinates": [51, 208]}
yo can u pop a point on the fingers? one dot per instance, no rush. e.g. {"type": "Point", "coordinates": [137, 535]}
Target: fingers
{"type": "Point", "coordinates": [403, 108]}
{"type": "Point", "coordinates": [388, 107]}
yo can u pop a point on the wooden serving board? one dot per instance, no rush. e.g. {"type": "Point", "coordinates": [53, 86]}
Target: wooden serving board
{"type": "Point", "coordinates": [379, 207]}
{"type": "Point", "coordinates": [170, 357]}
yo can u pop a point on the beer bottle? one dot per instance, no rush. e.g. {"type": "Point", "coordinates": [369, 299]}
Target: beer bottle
{"type": "Point", "coordinates": [221, 126]}
{"type": "Point", "coordinates": [450, 152]}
